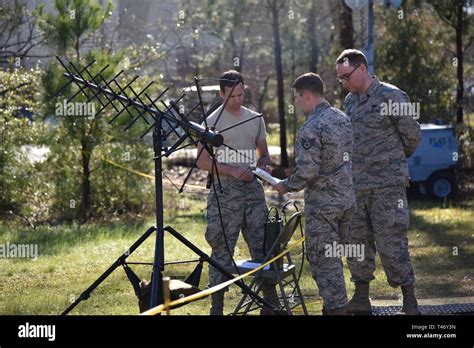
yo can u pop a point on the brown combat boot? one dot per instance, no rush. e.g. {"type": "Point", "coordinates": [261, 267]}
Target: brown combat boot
{"type": "Point", "coordinates": [410, 304]}
{"type": "Point", "coordinates": [335, 311]}
{"type": "Point", "coordinates": [360, 303]}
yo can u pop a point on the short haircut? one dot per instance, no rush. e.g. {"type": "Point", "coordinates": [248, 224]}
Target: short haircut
{"type": "Point", "coordinates": [352, 57]}
{"type": "Point", "coordinates": [228, 79]}
{"type": "Point", "coordinates": [310, 82]}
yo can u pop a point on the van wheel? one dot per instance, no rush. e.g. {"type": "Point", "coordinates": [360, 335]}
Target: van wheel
{"type": "Point", "coordinates": [442, 185]}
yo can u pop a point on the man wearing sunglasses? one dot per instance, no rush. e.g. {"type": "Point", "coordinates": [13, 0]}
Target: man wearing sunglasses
{"type": "Point", "coordinates": [382, 142]}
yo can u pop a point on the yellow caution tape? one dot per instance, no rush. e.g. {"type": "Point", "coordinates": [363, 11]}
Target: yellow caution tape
{"type": "Point", "coordinates": [204, 293]}
{"type": "Point", "coordinates": [151, 177]}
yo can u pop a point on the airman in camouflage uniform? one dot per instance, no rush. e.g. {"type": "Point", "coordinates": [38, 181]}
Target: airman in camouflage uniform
{"type": "Point", "coordinates": [385, 133]}
{"type": "Point", "coordinates": [323, 168]}
{"type": "Point", "coordinates": [242, 203]}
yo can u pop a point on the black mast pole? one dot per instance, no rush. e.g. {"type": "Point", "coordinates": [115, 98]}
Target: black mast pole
{"type": "Point", "coordinates": [159, 261]}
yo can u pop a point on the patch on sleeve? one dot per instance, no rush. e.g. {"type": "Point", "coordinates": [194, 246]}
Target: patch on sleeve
{"type": "Point", "coordinates": [307, 144]}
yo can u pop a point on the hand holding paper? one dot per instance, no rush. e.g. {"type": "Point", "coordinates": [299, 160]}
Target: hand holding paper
{"type": "Point", "coordinates": [266, 176]}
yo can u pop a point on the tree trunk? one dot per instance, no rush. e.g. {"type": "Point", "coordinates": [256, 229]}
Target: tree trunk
{"type": "Point", "coordinates": [77, 48]}
{"type": "Point", "coordinates": [459, 54]}
{"type": "Point", "coordinates": [293, 77]}
{"type": "Point", "coordinates": [241, 57]}
{"type": "Point", "coordinates": [313, 65]}
{"type": "Point", "coordinates": [280, 87]}
{"type": "Point", "coordinates": [263, 93]}
{"type": "Point", "coordinates": [346, 27]}
{"type": "Point", "coordinates": [86, 184]}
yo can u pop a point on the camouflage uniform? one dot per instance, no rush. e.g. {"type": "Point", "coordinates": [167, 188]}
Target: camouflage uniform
{"type": "Point", "coordinates": [381, 144]}
{"type": "Point", "coordinates": [323, 167]}
{"type": "Point", "coordinates": [243, 207]}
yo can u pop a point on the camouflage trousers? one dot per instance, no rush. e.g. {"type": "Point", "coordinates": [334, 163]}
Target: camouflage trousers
{"type": "Point", "coordinates": [322, 230]}
{"type": "Point", "coordinates": [380, 223]}
{"type": "Point", "coordinates": [243, 207]}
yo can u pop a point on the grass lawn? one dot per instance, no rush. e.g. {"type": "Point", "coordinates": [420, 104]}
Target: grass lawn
{"type": "Point", "coordinates": [71, 257]}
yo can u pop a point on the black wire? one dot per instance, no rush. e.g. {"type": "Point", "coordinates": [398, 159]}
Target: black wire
{"type": "Point", "coordinates": [171, 181]}
{"type": "Point", "coordinates": [303, 254]}
{"type": "Point", "coordinates": [247, 93]}
{"type": "Point", "coordinates": [239, 124]}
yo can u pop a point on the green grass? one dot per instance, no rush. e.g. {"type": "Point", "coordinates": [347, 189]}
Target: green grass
{"type": "Point", "coordinates": [71, 257]}
{"type": "Point", "coordinates": [442, 241]}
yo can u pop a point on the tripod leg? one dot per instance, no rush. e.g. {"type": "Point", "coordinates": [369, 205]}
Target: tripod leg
{"type": "Point", "coordinates": [216, 265]}
{"type": "Point", "coordinates": [86, 294]}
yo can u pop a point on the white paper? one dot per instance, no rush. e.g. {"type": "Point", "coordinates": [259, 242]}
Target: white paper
{"type": "Point", "coordinates": [265, 176]}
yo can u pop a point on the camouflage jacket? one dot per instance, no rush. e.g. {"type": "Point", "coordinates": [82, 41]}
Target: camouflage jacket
{"type": "Point", "coordinates": [323, 151]}
{"type": "Point", "coordinates": [385, 133]}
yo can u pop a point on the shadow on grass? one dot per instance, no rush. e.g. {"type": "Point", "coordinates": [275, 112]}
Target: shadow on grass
{"type": "Point", "coordinates": [438, 268]}
{"type": "Point", "coordinates": [444, 234]}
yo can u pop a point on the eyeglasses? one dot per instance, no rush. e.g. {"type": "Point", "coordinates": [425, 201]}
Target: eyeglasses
{"type": "Point", "coordinates": [347, 76]}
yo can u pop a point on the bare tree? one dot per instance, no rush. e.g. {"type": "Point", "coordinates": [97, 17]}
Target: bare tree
{"type": "Point", "coordinates": [455, 14]}
{"type": "Point", "coordinates": [313, 65]}
{"type": "Point", "coordinates": [275, 6]}
{"type": "Point", "coordinates": [18, 34]}
{"type": "Point", "coordinates": [345, 24]}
